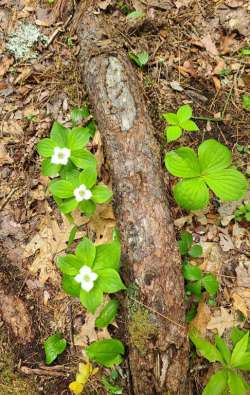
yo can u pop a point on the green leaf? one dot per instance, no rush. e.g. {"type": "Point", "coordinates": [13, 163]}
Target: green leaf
{"type": "Point", "coordinates": [185, 243]}
{"type": "Point", "coordinates": [109, 280]}
{"type": "Point", "coordinates": [189, 125]}
{"type": "Point", "coordinates": [59, 134]}
{"type": "Point", "coordinates": [244, 363]}
{"type": "Point", "coordinates": [72, 176]}
{"type": "Point", "coordinates": [108, 256]}
{"type": "Point", "coordinates": [210, 283]}
{"type": "Point", "coordinates": [71, 286]}
{"type": "Point", "coordinates": [111, 389]}
{"type": "Point", "coordinates": [72, 236]}
{"type": "Point", "coordinates": [86, 252]}
{"type": "Point", "coordinates": [83, 159]}
{"type": "Point", "coordinates": [101, 194]}
{"type": "Point", "coordinates": [62, 189]}
{"type": "Point", "coordinates": [205, 348]}
{"type": "Point", "coordinates": [92, 299]}
{"type": "Point", "coordinates": [77, 138]}
{"type": "Point", "coordinates": [88, 177]}
{"type": "Point", "coordinates": [46, 147]}
{"type": "Point", "coordinates": [173, 133]}
{"type": "Point", "coordinates": [171, 118]}
{"type": "Point", "coordinates": [87, 207]}
{"type": "Point", "coordinates": [182, 162]}
{"type": "Point", "coordinates": [236, 335]}
{"type": "Point", "coordinates": [239, 351]}
{"type": "Point", "coordinates": [68, 205]}
{"type": "Point", "coordinates": [191, 194]}
{"type": "Point", "coordinates": [54, 346]}
{"type": "Point", "coordinates": [184, 113]}
{"type": "Point", "coordinates": [196, 251]}
{"type": "Point", "coordinates": [140, 58]}
{"type": "Point", "coordinates": [191, 313]}
{"type": "Point", "coordinates": [217, 383]}
{"type": "Point", "coordinates": [213, 156]}
{"type": "Point", "coordinates": [194, 288]}
{"type": "Point", "coordinates": [107, 315]}
{"type": "Point", "coordinates": [228, 184]}
{"type": "Point", "coordinates": [246, 100]}
{"type": "Point", "coordinates": [105, 352]}
{"type": "Point", "coordinates": [69, 264]}
{"type": "Point", "coordinates": [236, 384]}
{"type": "Point", "coordinates": [49, 169]}
{"type": "Point", "coordinates": [223, 348]}
{"type": "Point", "coordinates": [76, 116]}
{"type": "Point", "coordinates": [191, 272]}
{"type": "Point", "coordinates": [135, 14]}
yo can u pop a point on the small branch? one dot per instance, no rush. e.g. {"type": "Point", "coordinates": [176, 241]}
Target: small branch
{"type": "Point", "coordinates": [42, 372]}
{"type": "Point", "coordinates": [58, 30]}
{"type": "Point", "coordinates": [211, 119]}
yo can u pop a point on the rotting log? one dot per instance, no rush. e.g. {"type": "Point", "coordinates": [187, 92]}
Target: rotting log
{"type": "Point", "coordinates": [150, 256]}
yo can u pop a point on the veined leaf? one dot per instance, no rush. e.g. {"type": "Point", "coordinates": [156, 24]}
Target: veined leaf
{"type": "Point", "coordinates": [216, 384]}
{"type": "Point", "coordinates": [62, 189]}
{"type": "Point", "coordinates": [182, 162]}
{"type": "Point", "coordinates": [191, 272]}
{"type": "Point", "coordinates": [205, 348]}
{"type": "Point", "coordinates": [236, 384]}
{"type": "Point", "coordinates": [86, 251]}
{"type": "Point", "coordinates": [223, 348]}
{"type": "Point", "coordinates": [228, 184]}
{"type": "Point", "coordinates": [191, 194]}
{"type": "Point", "coordinates": [92, 299]}
{"type": "Point", "coordinates": [239, 351]}
{"type": "Point", "coordinates": [213, 156]}
{"type": "Point", "coordinates": [184, 113]}
{"type": "Point", "coordinates": [53, 347]}
{"type": "Point", "coordinates": [105, 352]}
{"type": "Point", "coordinates": [173, 133]}
{"type": "Point", "coordinates": [59, 134]}
{"type": "Point", "coordinates": [210, 283]}
{"type": "Point", "coordinates": [107, 315]}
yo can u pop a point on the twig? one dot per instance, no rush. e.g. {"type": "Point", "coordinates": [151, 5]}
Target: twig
{"type": "Point", "coordinates": [157, 312]}
{"type": "Point", "coordinates": [42, 372]}
{"type": "Point", "coordinates": [58, 30]}
{"type": "Point", "coordinates": [5, 201]}
{"type": "Point", "coordinates": [211, 119]}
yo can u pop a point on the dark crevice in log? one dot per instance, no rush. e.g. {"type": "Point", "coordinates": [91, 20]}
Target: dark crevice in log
{"type": "Point", "coordinates": [150, 258]}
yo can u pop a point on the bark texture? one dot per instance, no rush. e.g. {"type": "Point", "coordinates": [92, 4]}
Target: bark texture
{"type": "Point", "coordinates": [150, 254]}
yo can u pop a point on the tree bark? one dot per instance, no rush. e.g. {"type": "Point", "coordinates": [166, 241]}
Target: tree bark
{"type": "Point", "coordinates": [150, 256]}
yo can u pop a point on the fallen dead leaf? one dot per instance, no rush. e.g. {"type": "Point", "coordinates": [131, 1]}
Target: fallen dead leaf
{"type": "Point", "coordinates": [233, 19]}
{"type": "Point", "coordinates": [217, 83]}
{"type": "Point", "coordinates": [46, 244]}
{"type": "Point", "coordinates": [226, 242]}
{"type": "Point", "coordinates": [88, 333]}
{"type": "Point", "coordinates": [182, 3]}
{"type": "Point", "coordinates": [103, 4]}
{"type": "Point", "coordinates": [102, 224]}
{"type": "Point", "coordinates": [239, 303]}
{"type": "Point", "coordinates": [213, 257]}
{"type": "Point", "coordinates": [227, 44]}
{"type": "Point", "coordinates": [219, 67]}
{"type": "Point", "coordinates": [201, 319]}
{"type": "Point", "coordinates": [209, 45]}
{"type": "Point", "coordinates": [4, 156]}
{"type": "Point", "coordinates": [5, 64]}
{"type": "Point", "coordinates": [243, 272]}
{"type": "Point", "coordinates": [222, 320]}
{"type": "Point", "coordinates": [240, 235]}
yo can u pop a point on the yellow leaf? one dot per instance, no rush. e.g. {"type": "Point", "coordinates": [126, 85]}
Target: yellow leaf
{"type": "Point", "coordinates": [82, 378]}
{"type": "Point", "coordinates": [85, 369]}
{"type": "Point", "coordinates": [94, 371]}
{"type": "Point", "coordinates": [76, 387]}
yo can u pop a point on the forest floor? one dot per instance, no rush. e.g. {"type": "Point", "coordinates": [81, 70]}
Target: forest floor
{"type": "Point", "coordinates": [196, 58]}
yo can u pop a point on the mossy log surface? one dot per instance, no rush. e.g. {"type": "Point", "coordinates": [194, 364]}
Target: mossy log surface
{"type": "Point", "coordinates": [150, 256]}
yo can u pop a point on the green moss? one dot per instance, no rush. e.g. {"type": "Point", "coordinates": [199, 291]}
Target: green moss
{"type": "Point", "coordinates": [140, 329]}
{"type": "Point", "coordinates": [11, 382]}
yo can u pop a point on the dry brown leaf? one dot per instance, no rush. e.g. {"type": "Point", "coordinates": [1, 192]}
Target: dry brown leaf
{"type": "Point", "coordinates": [239, 304]}
{"type": "Point", "coordinates": [226, 242]}
{"type": "Point", "coordinates": [227, 44]}
{"type": "Point", "coordinates": [182, 3]}
{"type": "Point", "coordinates": [46, 244]}
{"type": "Point", "coordinates": [102, 224]}
{"type": "Point", "coordinates": [217, 83]}
{"type": "Point", "coordinates": [219, 67]}
{"type": "Point", "coordinates": [103, 4]}
{"type": "Point", "coordinates": [201, 319]}
{"type": "Point", "coordinates": [209, 45]}
{"type": "Point", "coordinates": [5, 64]}
{"type": "Point", "coordinates": [240, 235]}
{"type": "Point", "coordinates": [213, 257]}
{"type": "Point", "coordinates": [88, 333]}
{"type": "Point", "coordinates": [4, 156]}
{"type": "Point", "coordinates": [222, 321]}
{"type": "Point", "coordinates": [243, 272]}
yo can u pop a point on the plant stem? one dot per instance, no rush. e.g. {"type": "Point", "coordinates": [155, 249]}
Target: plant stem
{"type": "Point", "coordinates": [209, 119]}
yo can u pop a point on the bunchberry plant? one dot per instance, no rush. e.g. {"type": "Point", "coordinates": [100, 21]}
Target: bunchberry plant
{"type": "Point", "coordinates": [79, 189]}
{"type": "Point", "coordinates": [92, 271]}
{"type": "Point", "coordinates": [228, 377]}
{"type": "Point", "coordinates": [64, 148]}
{"type": "Point", "coordinates": [140, 58]}
{"type": "Point", "coordinates": [186, 246]}
{"type": "Point", "coordinates": [54, 346]}
{"type": "Point", "coordinates": [107, 315]}
{"type": "Point", "coordinates": [179, 122]}
{"type": "Point", "coordinates": [107, 352]}
{"type": "Point", "coordinates": [197, 281]}
{"type": "Point", "coordinates": [212, 168]}
{"type": "Point", "coordinates": [78, 115]}
{"type": "Point", "coordinates": [243, 213]}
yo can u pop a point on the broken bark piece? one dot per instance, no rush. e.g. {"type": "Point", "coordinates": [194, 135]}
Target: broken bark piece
{"type": "Point", "coordinates": [150, 259]}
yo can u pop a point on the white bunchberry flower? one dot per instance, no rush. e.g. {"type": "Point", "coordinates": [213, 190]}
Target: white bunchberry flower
{"type": "Point", "coordinates": [86, 278]}
{"type": "Point", "coordinates": [82, 193]}
{"type": "Point", "coordinates": [60, 156]}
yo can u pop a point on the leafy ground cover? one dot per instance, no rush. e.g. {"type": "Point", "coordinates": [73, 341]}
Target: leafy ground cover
{"type": "Point", "coordinates": [194, 58]}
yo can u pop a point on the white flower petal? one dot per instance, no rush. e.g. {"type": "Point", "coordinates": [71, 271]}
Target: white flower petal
{"type": "Point", "coordinates": [87, 194]}
{"type": "Point", "coordinates": [93, 276]}
{"type": "Point", "coordinates": [78, 278]}
{"type": "Point", "coordinates": [60, 156]}
{"type": "Point", "coordinates": [87, 285]}
{"type": "Point", "coordinates": [85, 270]}
{"type": "Point", "coordinates": [79, 193]}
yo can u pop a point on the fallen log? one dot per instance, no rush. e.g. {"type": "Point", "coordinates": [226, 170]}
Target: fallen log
{"type": "Point", "coordinates": [150, 258]}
